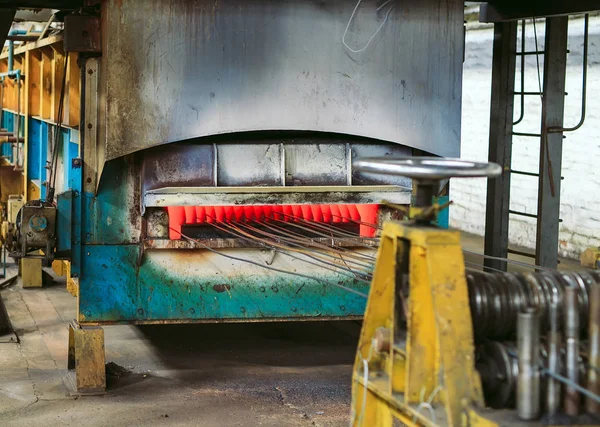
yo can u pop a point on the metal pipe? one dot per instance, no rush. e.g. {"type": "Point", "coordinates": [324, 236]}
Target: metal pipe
{"type": "Point", "coordinates": [522, 114]}
{"type": "Point", "coordinates": [593, 376]}
{"type": "Point", "coordinates": [11, 55]}
{"type": "Point", "coordinates": [18, 124]}
{"type": "Point", "coordinates": [558, 129]}
{"type": "Point", "coordinates": [16, 73]}
{"type": "Point", "coordinates": [572, 344]}
{"type": "Point", "coordinates": [528, 381]}
{"type": "Point", "coordinates": [554, 365]}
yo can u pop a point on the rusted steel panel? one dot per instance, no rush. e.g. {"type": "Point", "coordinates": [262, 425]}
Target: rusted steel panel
{"type": "Point", "coordinates": [197, 285]}
{"type": "Point", "coordinates": [284, 161]}
{"type": "Point", "coordinates": [183, 69]}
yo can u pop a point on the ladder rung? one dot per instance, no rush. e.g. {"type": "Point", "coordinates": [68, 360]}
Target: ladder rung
{"type": "Point", "coordinates": [524, 173]}
{"type": "Point", "coordinates": [522, 214]}
{"type": "Point", "coordinates": [533, 93]}
{"type": "Point", "coordinates": [533, 135]}
{"type": "Point", "coordinates": [527, 254]}
{"type": "Point", "coordinates": [531, 52]}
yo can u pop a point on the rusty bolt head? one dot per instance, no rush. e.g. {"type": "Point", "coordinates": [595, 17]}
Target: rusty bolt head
{"type": "Point", "coordinates": [382, 340]}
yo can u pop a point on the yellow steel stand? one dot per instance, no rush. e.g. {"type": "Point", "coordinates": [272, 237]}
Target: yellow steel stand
{"type": "Point", "coordinates": [31, 272]}
{"type": "Point", "coordinates": [86, 359]}
{"type": "Point", "coordinates": [416, 355]}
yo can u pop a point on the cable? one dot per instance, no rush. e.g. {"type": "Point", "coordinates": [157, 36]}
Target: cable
{"type": "Point", "coordinates": [208, 248]}
{"type": "Point", "coordinates": [374, 34]}
{"type": "Point", "coordinates": [348, 272]}
{"type": "Point", "coordinates": [54, 160]}
{"type": "Point", "coordinates": [510, 261]}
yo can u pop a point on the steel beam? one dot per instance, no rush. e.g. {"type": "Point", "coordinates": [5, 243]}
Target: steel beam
{"type": "Point", "coordinates": [553, 106]}
{"type": "Point", "coordinates": [500, 143]}
{"type": "Point", "coordinates": [509, 10]}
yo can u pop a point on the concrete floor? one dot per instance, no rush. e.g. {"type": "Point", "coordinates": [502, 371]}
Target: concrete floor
{"type": "Point", "coordinates": [181, 375]}
{"type": "Point", "coordinates": [269, 374]}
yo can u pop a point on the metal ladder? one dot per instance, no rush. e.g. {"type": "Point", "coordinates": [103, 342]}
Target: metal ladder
{"type": "Point", "coordinates": [550, 137]}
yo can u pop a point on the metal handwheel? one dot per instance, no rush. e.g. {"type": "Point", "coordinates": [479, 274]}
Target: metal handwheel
{"type": "Point", "coordinates": [427, 172]}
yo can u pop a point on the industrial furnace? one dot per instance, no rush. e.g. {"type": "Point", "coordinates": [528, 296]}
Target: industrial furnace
{"type": "Point", "coordinates": [216, 178]}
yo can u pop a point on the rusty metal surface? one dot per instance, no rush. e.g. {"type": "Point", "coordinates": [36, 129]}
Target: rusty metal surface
{"type": "Point", "coordinates": [123, 285]}
{"type": "Point", "coordinates": [312, 160]}
{"type": "Point", "coordinates": [82, 34]}
{"type": "Point", "coordinates": [232, 196]}
{"type": "Point", "coordinates": [183, 69]}
{"type": "Point", "coordinates": [239, 243]}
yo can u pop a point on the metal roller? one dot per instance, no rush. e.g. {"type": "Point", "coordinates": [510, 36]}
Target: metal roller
{"type": "Point", "coordinates": [496, 299]}
{"type": "Point", "coordinates": [553, 387]}
{"type": "Point", "coordinates": [528, 381]}
{"type": "Point", "coordinates": [572, 349]}
{"type": "Point", "coordinates": [498, 367]}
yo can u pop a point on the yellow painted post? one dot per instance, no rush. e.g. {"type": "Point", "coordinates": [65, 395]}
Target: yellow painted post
{"type": "Point", "coordinates": [86, 358]}
{"type": "Point", "coordinates": [31, 272]}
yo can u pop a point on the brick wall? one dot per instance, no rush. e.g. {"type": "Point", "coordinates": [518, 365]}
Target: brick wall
{"type": "Point", "coordinates": [580, 204]}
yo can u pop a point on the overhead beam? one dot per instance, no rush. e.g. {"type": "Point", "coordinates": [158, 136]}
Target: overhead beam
{"type": "Point", "coordinates": [6, 19]}
{"type": "Point", "coordinates": [512, 10]}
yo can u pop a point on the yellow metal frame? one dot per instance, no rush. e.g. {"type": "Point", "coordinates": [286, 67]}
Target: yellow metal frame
{"type": "Point", "coordinates": [416, 356]}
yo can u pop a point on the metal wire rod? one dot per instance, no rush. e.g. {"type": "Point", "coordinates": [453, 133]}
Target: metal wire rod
{"type": "Point", "coordinates": [272, 236]}
{"type": "Point", "coordinates": [304, 238]}
{"type": "Point", "coordinates": [522, 114]}
{"type": "Point", "coordinates": [301, 250]}
{"type": "Point", "coordinates": [562, 379]}
{"type": "Point", "coordinates": [208, 248]}
{"type": "Point", "coordinates": [483, 267]}
{"type": "Point", "coordinates": [315, 225]}
{"type": "Point", "coordinates": [319, 234]}
{"type": "Point", "coordinates": [510, 261]}
{"type": "Point", "coordinates": [347, 271]}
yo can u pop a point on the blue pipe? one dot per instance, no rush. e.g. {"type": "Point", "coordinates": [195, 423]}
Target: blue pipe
{"type": "Point", "coordinates": [16, 73]}
{"type": "Point", "coordinates": [11, 48]}
{"type": "Point", "coordinates": [11, 56]}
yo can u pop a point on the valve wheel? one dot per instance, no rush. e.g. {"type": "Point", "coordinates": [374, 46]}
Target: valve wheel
{"type": "Point", "coordinates": [427, 168]}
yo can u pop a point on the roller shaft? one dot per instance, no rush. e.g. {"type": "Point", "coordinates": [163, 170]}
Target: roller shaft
{"type": "Point", "coordinates": [572, 347]}
{"type": "Point", "coordinates": [554, 364]}
{"type": "Point", "coordinates": [528, 383]}
{"type": "Point", "coordinates": [593, 376]}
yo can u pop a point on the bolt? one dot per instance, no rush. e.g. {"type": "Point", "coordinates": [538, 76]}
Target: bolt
{"type": "Point", "coordinates": [382, 340]}
{"type": "Point", "coordinates": [90, 71]}
{"type": "Point", "coordinates": [89, 126]}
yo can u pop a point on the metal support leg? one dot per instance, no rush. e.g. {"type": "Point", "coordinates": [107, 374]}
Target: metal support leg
{"type": "Point", "coordinates": [553, 106]}
{"type": "Point", "coordinates": [86, 359]}
{"type": "Point", "coordinates": [31, 272]}
{"type": "Point", "coordinates": [500, 144]}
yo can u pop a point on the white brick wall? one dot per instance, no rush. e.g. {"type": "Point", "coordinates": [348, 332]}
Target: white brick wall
{"type": "Point", "coordinates": [580, 198]}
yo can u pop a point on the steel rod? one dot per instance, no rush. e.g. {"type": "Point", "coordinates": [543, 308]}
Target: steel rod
{"type": "Point", "coordinates": [586, 21]}
{"type": "Point", "coordinates": [528, 382]}
{"type": "Point", "coordinates": [554, 344]}
{"type": "Point", "coordinates": [593, 375]}
{"type": "Point", "coordinates": [522, 113]}
{"type": "Point", "coordinates": [572, 349]}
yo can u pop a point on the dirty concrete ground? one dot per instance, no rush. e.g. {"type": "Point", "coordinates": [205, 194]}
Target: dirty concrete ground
{"type": "Point", "coordinates": [269, 374]}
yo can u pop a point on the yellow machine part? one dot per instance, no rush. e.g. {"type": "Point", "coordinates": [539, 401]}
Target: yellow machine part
{"type": "Point", "coordinates": [416, 358]}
